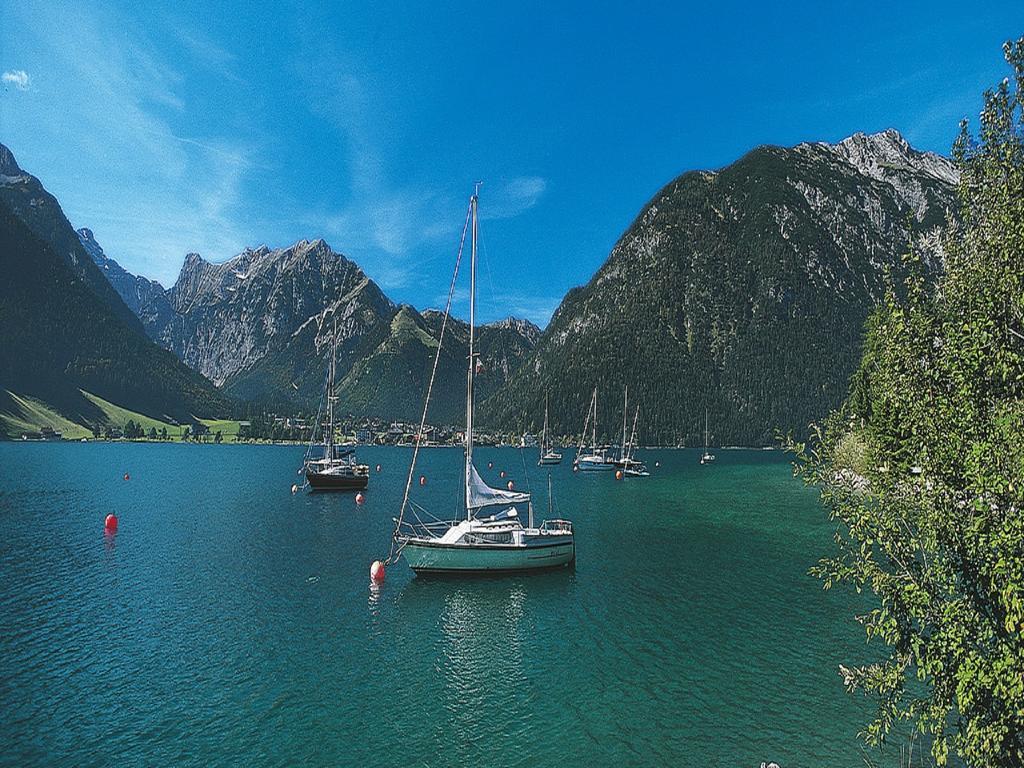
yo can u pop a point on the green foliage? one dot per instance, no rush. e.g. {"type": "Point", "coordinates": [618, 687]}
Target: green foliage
{"type": "Point", "coordinates": [923, 468]}
{"type": "Point", "coordinates": [731, 292]}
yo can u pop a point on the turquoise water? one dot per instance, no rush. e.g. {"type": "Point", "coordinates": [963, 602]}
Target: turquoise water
{"type": "Point", "coordinates": [229, 622]}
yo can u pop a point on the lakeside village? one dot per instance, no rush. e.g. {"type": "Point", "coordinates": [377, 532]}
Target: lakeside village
{"type": "Point", "coordinates": [272, 428]}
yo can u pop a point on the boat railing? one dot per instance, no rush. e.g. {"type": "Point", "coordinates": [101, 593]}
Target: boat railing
{"type": "Point", "coordinates": [556, 526]}
{"type": "Point", "coordinates": [433, 529]}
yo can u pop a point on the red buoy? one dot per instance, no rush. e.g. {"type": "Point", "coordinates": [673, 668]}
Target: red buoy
{"type": "Point", "coordinates": [511, 485]}
{"type": "Point", "coordinates": [127, 476]}
{"type": "Point", "coordinates": [423, 479]}
{"type": "Point", "coordinates": [618, 474]}
{"type": "Point", "coordinates": [377, 572]}
{"type": "Point", "coordinates": [110, 524]}
{"type": "Point", "coordinates": [502, 473]}
{"type": "Point", "coordinates": [360, 498]}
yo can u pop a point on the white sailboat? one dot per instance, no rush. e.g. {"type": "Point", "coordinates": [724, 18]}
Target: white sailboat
{"type": "Point", "coordinates": [548, 454]}
{"type": "Point", "coordinates": [707, 456]}
{"type": "Point", "coordinates": [628, 463]}
{"type": "Point", "coordinates": [598, 459]}
{"type": "Point", "coordinates": [480, 542]}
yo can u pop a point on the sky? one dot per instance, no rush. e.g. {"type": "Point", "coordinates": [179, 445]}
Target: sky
{"type": "Point", "coordinates": [210, 127]}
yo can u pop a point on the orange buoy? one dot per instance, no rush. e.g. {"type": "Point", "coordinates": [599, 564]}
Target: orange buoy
{"type": "Point", "coordinates": [295, 488]}
{"type": "Point", "coordinates": [511, 485]}
{"type": "Point", "coordinates": [378, 467]}
{"type": "Point", "coordinates": [377, 572]}
{"type": "Point", "coordinates": [127, 476]}
{"type": "Point", "coordinates": [423, 479]}
{"type": "Point", "coordinates": [618, 474]}
{"type": "Point", "coordinates": [502, 473]}
{"type": "Point", "coordinates": [360, 498]}
{"type": "Point", "coordinates": [110, 523]}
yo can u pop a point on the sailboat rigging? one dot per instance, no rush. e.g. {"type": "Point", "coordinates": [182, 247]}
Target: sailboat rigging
{"type": "Point", "coordinates": [707, 457]}
{"type": "Point", "coordinates": [478, 543]}
{"type": "Point", "coordinates": [337, 469]}
{"type": "Point", "coordinates": [548, 454]}
{"type": "Point", "coordinates": [597, 460]}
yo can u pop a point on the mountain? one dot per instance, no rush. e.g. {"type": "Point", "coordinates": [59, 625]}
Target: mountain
{"type": "Point", "coordinates": [743, 291]}
{"type": "Point", "coordinates": [58, 337]}
{"type": "Point", "coordinates": [260, 326]}
{"type": "Point", "coordinates": [145, 298]}
{"type": "Point", "coordinates": [393, 379]}
{"type": "Point", "coordinates": [23, 194]}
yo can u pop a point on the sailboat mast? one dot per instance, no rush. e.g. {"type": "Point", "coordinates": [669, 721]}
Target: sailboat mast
{"type": "Point", "coordinates": [625, 406]}
{"type": "Point", "coordinates": [472, 361]}
{"type": "Point", "coordinates": [544, 437]}
{"type": "Point", "coordinates": [329, 437]}
{"type": "Point", "coordinates": [705, 430]}
{"type": "Point", "coordinates": [594, 436]}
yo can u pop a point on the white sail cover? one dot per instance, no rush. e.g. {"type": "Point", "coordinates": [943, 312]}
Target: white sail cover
{"type": "Point", "coordinates": [482, 495]}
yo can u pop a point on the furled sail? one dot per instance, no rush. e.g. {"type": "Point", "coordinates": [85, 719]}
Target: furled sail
{"type": "Point", "coordinates": [482, 495]}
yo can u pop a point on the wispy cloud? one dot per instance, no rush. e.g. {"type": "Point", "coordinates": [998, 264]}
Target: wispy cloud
{"type": "Point", "coordinates": [162, 191]}
{"type": "Point", "coordinates": [514, 197]}
{"type": "Point", "coordinates": [18, 78]}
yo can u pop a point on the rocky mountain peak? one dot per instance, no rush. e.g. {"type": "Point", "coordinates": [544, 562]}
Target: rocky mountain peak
{"type": "Point", "coordinates": [878, 154]}
{"type": "Point", "coordinates": [93, 248]}
{"type": "Point", "coordinates": [8, 165]}
{"type": "Point", "coordinates": [523, 327]}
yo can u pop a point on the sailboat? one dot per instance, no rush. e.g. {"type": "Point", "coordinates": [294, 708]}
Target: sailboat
{"type": "Point", "coordinates": [548, 454]}
{"type": "Point", "coordinates": [630, 466]}
{"type": "Point", "coordinates": [708, 456]}
{"type": "Point", "coordinates": [491, 536]}
{"type": "Point", "coordinates": [337, 469]}
{"type": "Point", "coordinates": [597, 460]}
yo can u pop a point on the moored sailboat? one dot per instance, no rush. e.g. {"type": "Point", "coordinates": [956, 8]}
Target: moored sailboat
{"type": "Point", "coordinates": [337, 469]}
{"type": "Point", "coordinates": [548, 454]}
{"type": "Point", "coordinates": [481, 542]}
{"type": "Point", "coordinates": [627, 462]}
{"type": "Point", "coordinates": [707, 457]}
{"type": "Point", "coordinates": [597, 460]}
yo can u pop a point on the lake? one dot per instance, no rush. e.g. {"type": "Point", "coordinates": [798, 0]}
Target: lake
{"type": "Point", "coordinates": [230, 622]}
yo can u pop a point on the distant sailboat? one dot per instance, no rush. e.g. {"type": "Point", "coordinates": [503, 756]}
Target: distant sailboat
{"type": "Point", "coordinates": [548, 454]}
{"type": "Point", "coordinates": [629, 465]}
{"type": "Point", "coordinates": [337, 469]}
{"type": "Point", "coordinates": [597, 460]}
{"type": "Point", "coordinates": [478, 543]}
{"type": "Point", "coordinates": [708, 456]}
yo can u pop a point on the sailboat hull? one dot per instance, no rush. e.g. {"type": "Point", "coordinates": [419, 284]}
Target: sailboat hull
{"type": "Point", "coordinates": [326, 481]}
{"type": "Point", "coordinates": [550, 459]}
{"type": "Point", "coordinates": [426, 557]}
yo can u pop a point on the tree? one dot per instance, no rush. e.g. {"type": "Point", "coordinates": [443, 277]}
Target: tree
{"type": "Point", "coordinates": [217, 438]}
{"type": "Point", "coordinates": [923, 468]}
{"type": "Point", "coordinates": [163, 433]}
{"type": "Point", "coordinates": [152, 433]}
{"type": "Point", "coordinates": [184, 434]}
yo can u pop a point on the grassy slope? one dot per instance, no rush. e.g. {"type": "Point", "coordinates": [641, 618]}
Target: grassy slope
{"type": "Point", "coordinates": [19, 414]}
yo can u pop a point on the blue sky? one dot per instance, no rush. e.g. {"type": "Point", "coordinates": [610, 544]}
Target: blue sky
{"type": "Point", "coordinates": [210, 127]}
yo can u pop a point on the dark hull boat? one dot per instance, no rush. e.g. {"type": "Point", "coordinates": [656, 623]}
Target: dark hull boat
{"type": "Point", "coordinates": [344, 474]}
{"type": "Point", "coordinates": [337, 469]}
